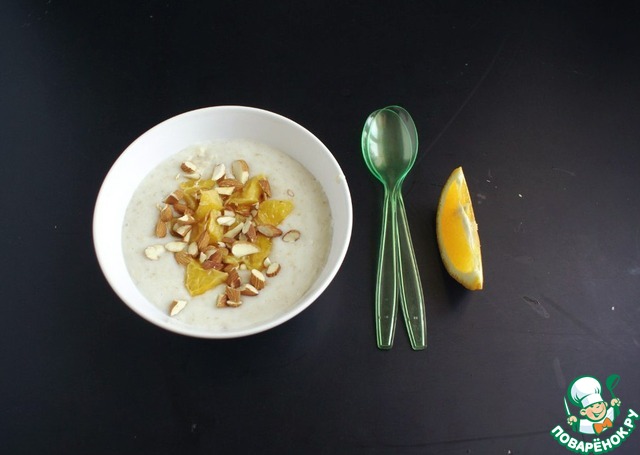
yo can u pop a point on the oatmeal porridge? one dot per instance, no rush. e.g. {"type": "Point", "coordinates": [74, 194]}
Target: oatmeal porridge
{"type": "Point", "coordinates": [160, 252]}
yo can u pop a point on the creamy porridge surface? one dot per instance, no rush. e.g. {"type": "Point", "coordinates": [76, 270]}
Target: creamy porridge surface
{"type": "Point", "coordinates": [162, 281]}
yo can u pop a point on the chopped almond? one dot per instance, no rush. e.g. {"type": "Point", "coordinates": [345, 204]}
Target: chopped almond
{"type": "Point", "coordinates": [272, 270]}
{"type": "Point", "coordinates": [291, 236]}
{"type": "Point", "coordinates": [249, 290]}
{"type": "Point", "coordinates": [221, 301]}
{"type": "Point", "coordinates": [166, 214]}
{"type": "Point", "coordinates": [174, 197]}
{"type": "Point", "coordinates": [161, 229]}
{"type": "Point", "coordinates": [269, 230]}
{"type": "Point", "coordinates": [177, 306]}
{"type": "Point", "coordinates": [219, 171]}
{"type": "Point", "coordinates": [182, 258]}
{"type": "Point", "coordinates": [257, 279]}
{"type": "Point", "coordinates": [188, 167]}
{"type": "Point", "coordinates": [240, 170]}
{"type": "Point", "coordinates": [233, 278]}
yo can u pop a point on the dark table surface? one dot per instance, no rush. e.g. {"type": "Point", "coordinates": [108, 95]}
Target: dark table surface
{"type": "Point", "coordinates": [538, 101]}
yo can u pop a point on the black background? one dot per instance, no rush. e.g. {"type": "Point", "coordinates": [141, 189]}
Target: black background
{"type": "Point", "coordinates": [538, 101]}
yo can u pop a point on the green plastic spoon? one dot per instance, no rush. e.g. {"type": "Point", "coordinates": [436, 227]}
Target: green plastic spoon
{"type": "Point", "coordinates": [389, 148]}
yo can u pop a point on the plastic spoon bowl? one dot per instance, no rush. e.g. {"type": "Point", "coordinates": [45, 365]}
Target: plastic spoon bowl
{"type": "Point", "coordinates": [390, 147]}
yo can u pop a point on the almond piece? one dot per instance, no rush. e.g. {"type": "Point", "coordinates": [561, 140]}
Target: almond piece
{"type": "Point", "coordinates": [193, 176]}
{"type": "Point", "coordinates": [192, 249]}
{"type": "Point", "coordinates": [203, 240]}
{"type": "Point", "coordinates": [221, 301]}
{"type": "Point", "coordinates": [292, 236]}
{"type": "Point", "coordinates": [218, 171]}
{"type": "Point", "coordinates": [153, 252]}
{"type": "Point", "coordinates": [227, 241]}
{"type": "Point", "coordinates": [209, 264]}
{"type": "Point", "coordinates": [181, 208]}
{"type": "Point", "coordinates": [251, 233]}
{"type": "Point", "coordinates": [176, 307]}
{"type": "Point", "coordinates": [166, 214]}
{"type": "Point", "coordinates": [174, 197]}
{"type": "Point", "coordinates": [233, 279]}
{"type": "Point", "coordinates": [257, 279]}
{"type": "Point", "coordinates": [182, 229]}
{"type": "Point", "coordinates": [226, 220]}
{"type": "Point", "coordinates": [161, 229]}
{"type": "Point", "coordinates": [269, 230]}
{"type": "Point", "coordinates": [188, 167]}
{"type": "Point", "coordinates": [208, 251]}
{"type": "Point", "coordinates": [248, 289]}
{"type": "Point", "coordinates": [225, 190]}
{"type": "Point", "coordinates": [229, 267]}
{"type": "Point", "coordinates": [215, 255]}
{"type": "Point", "coordinates": [230, 183]}
{"type": "Point", "coordinates": [243, 210]}
{"type": "Point", "coordinates": [240, 170]}
{"type": "Point", "coordinates": [175, 247]}
{"type": "Point", "coordinates": [231, 233]}
{"type": "Point", "coordinates": [233, 296]}
{"type": "Point", "coordinates": [240, 249]}
{"type": "Point", "coordinates": [272, 270]}
{"type": "Point", "coordinates": [182, 258]}
{"type": "Point", "coordinates": [186, 219]}
{"type": "Point", "coordinates": [266, 187]}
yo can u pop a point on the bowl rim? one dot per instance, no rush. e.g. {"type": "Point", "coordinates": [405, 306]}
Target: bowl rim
{"type": "Point", "coordinates": [339, 250]}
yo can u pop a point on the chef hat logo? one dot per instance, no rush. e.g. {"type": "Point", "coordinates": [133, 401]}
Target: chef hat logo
{"type": "Point", "coordinates": [585, 391]}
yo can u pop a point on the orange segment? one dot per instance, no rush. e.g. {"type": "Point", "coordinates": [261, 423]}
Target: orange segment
{"type": "Point", "coordinates": [274, 211]}
{"type": "Point", "coordinates": [210, 200]}
{"type": "Point", "coordinates": [216, 232]}
{"type": "Point", "coordinates": [191, 189]}
{"type": "Point", "coordinates": [250, 194]}
{"type": "Point", "coordinates": [193, 186]}
{"type": "Point", "coordinates": [198, 280]}
{"type": "Point", "coordinates": [457, 233]}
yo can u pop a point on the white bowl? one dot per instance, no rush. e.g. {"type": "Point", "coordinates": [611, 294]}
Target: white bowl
{"type": "Point", "coordinates": [202, 125]}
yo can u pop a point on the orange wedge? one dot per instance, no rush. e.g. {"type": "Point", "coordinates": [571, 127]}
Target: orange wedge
{"type": "Point", "coordinates": [209, 200]}
{"type": "Point", "coordinates": [198, 280]}
{"type": "Point", "coordinates": [274, 211]}
{"type": "Point", "coordinates": [457, 233]}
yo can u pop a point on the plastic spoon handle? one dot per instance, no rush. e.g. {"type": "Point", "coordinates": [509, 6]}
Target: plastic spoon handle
{"type": "Point", "coordinates": [411, 296]}
{"type": "Point", "coordinates": [386, 290]}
